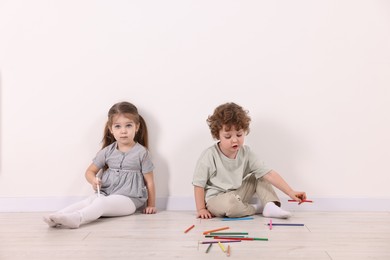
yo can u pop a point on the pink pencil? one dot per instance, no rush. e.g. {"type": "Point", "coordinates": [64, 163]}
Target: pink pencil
{"type": "Point", "coordinates": [270, 224]}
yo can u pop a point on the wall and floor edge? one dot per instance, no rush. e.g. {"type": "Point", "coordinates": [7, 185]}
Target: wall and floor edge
{"type": "Point", "coordinates": [47, 204]}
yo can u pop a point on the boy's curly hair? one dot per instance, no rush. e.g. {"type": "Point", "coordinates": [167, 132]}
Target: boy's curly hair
{"type": "Point", "coordinates": [228, 115]}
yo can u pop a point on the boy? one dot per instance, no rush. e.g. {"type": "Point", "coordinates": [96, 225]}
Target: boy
{"type": "Point", "coordinates": [228, 174]}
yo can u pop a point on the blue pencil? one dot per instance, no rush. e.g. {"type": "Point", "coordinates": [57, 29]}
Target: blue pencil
{"type": "Point", "coordinates": [232, 219]}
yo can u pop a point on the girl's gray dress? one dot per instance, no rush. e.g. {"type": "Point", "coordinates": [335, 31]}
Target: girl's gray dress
{"type": "Point", "coordinates": [124, 175]}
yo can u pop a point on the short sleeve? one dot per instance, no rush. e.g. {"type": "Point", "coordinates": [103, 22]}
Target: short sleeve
{"type": "Point", "coordinates": [100, 159]}
{"type": "Point", "coordinates": [203, 170]}
{"type": "Point", "coordinates": [256, 166]}
{"type": "Point", "coordinates": [146, 162]}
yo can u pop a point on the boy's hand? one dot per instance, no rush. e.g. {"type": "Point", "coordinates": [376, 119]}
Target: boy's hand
{"type": "Point", "coordinates": [204, 213]}
{"type": "Point", "coordinates": [299, 196]}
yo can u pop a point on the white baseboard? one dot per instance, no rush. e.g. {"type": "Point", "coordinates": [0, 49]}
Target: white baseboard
{"type": "Point", "coordinates": [42, 204]}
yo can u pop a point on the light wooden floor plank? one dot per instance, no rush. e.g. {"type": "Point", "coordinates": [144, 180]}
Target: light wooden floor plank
{"type": "Point", "coordinates": [326, 235]}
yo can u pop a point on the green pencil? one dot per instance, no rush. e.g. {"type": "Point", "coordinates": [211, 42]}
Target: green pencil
{"type": "Point", "coordinates": [228, 233]}
{"type": "Point", "coordinates": [208, 248]}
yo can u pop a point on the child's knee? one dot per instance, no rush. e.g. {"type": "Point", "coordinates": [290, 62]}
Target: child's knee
{"type": "Point", "coordinates": [221, 207]}
{"type": "Point", "coordinates": [237, 208]}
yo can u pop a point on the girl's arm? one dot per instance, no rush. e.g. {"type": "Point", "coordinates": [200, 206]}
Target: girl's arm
{"type": "Point", "coordinates": [90, 175]}
{"type": "Point", "coordinates": [276, 180]}
{"type": "Point", "coordinates": [151, 203]}
{"type": "Point", "coordinates": [201, 209]}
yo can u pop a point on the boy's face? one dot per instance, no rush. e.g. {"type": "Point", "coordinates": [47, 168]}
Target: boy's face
{"type": "Point", "coordinates": [231, 141]}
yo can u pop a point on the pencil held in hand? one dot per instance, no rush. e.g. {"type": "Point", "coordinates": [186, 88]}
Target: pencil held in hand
{"type": "Point", "coordinates": [98, 186]}
{"type": "Point", "coordinates": [300, 202]}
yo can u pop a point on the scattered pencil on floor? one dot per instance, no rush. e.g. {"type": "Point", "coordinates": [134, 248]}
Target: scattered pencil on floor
{"type": "Point", "coordinates": [233, 219]}
{"type": "Point", "coordinates": [214, 230]}
{"type": "Point", "coordinates": [208, 248]}
{"type": "Point", "coordinates": [270, 224]}
{"type": "Point", "coordinates": [228, 233]}
{"type": "Point", "coordinates": [228, 251]}
{"type": "Point", "coordinates": [285, 224]}
{"type": "Point", "coordinates": [188, 229]}
{"type": "Point", "coordinates": [221, 246]}
{"type": "Point", "coordinates": [216, 241]}
{"type": "Point", "coordinates": [243, 238]}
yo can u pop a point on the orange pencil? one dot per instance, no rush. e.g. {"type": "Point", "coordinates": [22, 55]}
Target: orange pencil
{"type": "Point", "coordinates": [188, 229]}
{"type": "Point", "coordinates": [214, 230]}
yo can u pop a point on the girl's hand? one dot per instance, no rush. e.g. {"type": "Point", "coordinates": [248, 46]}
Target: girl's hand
{"type": "Point", "coordinates": [204, 213]}
{"type": "Point", "coordinates": [150, 210]}
{"type": "Point", "coordinates": [96, 183]}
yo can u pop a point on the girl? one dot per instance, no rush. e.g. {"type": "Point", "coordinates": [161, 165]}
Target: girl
{"type": "Point", "coordinates": [126, 173]}
{"type": "Point", "coordinates": [228, 173]}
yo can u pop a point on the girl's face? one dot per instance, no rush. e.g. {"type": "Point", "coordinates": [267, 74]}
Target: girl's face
{"type": "Point", "coordinates": [123, 129]}
{"type": "Point", "coordinates": [231, 141]}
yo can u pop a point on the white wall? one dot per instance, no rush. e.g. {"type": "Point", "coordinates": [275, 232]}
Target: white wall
{"type": "Point", "coordinates": [315, 76]}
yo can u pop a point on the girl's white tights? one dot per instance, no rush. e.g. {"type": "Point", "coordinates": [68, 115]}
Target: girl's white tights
{"type": "Point", "coordinates": [91, 209]}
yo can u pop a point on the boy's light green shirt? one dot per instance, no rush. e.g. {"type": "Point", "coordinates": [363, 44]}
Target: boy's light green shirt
{"type": "Point", "coordinates": [217, 173]}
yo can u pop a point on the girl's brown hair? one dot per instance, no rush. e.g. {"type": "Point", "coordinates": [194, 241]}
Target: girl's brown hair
{"type": "Point", "coordinates": [228, 115]}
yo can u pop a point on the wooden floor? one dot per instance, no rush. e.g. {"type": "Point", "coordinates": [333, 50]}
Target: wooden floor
{"type": "Point", "coordinates": [326, 235]}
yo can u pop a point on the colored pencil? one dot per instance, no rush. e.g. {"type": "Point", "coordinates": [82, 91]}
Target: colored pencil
{"type": "Point", "coordinates": [98, 187]}
{"type": "Point", "coordinates": [214, 230]}
{"type": "Point", "coordinates": [300, 201]}
{"type": "Point", "coordinates": [188, 229]}
{"type": "Point", "coordinates": [243, 238]}
{"type": "Point", "coordinates": [221, 236]}
{"type": "Point", "coordinates": [215, 241]}
{"type": "Point", "coordinates": [208, 248]}
{"type": "Point", "coordinates": [221, 246]}
{"type": "Point", "coordinates": [285, 224]}
{"type": "Point", "coordinates": [228, 251]}
{"type": "Point", "coordinates": [270, 224]}
{"type": "Point", "coordinates": [233, 219]}
{"type": "Point", "coordinates": [228, 233]}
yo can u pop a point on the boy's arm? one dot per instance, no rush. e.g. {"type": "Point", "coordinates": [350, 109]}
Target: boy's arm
{"type": "Point", "coordinates": [276, 180]}
{"type": "Point", "coordinates": [151, 203]}
{"type": "Point", "coordinates": [201, 209]}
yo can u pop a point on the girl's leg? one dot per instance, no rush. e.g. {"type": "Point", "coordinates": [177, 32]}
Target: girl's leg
{"type": "Point", "coordinates": [70, 209]}
{"type": "Point", "coordinates": [110, 206]}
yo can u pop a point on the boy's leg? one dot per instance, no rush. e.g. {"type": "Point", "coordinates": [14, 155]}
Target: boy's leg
{"type": "Point", "coordinates": [266, 192]}
{"type": "Point", "coordinates": [270, 200]}
{"type": "Point", "coordinates": [235, 203]}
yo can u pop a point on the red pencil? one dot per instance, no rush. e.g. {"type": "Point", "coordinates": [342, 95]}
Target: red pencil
{"type": "Point", "coordinates": [270, 224]}
{"type": "Point", "coordinates": [188, 229]}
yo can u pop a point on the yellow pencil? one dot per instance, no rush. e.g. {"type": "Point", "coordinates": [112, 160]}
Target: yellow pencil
{"type": "Point", "coordinates": [221, 246]}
